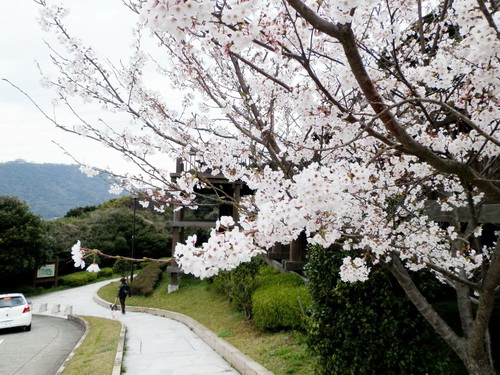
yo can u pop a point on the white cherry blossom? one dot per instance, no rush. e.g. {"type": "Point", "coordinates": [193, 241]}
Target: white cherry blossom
{"type": "Point", "coordinates": [363, 124]}
{"type": "Point", "coordinates": [78, 254]}
{"type": "Point", "coordinates": [94, 267]}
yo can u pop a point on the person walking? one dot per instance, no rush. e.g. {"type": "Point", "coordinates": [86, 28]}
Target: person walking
{"type": "Point", "coordinates": [123, 292]}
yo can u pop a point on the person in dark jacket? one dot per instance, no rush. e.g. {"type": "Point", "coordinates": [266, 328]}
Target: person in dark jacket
{"type": "Point", "coordinates": [123, 292]}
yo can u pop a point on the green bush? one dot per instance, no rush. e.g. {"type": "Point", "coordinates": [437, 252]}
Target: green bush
{"type": "Point", "coordinates": [280, 306]}
{"type": "Point", "coordinates": [105, 272]}
{"type": "Point", "coordinates": [29, 290]}
{"type": "Point", "coordinates": [163, 266]}
{"type": "Point", "coordinates": [267, 276]}
{"type": "Point", "coordinates": [239, 284]}
{"type": "Point", "coordinates": [142, 265]}
{"type": "Point", "coordinates": [366, 328]}
{"type": "Point", "coordinates": [267, 270]}
{"type": "Point", "coordinates": [146, 281]}
{"type": "Point", "coordinates": [121, 267]}
{"type": "Point", "coordinates": [78, 278]}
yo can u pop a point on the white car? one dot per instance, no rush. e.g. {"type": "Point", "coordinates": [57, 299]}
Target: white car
{"type": "Point", "coordinates": [15, 311]}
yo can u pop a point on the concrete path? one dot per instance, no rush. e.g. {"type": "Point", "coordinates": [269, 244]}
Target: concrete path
{"type": "Point", "coordinates": [155, 345]}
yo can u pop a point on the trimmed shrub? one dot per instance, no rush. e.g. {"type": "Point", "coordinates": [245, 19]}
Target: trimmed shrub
{"type": "Point", "coordinates": [78, 278]}
{"type": "Point", "coordinates": [121, 267]}
{"type": "Point", "coordinates": [276, 300]}
{"type": "Point", "coordinates": [146, 281]}
{"type": "Point", "coordinates": [239, 284]}
{"type": "Point", "coordinates": [280, 306]}
{"type": "Point", "coordinates": [163, 265]}
{"type": "Point", "coordinates": [271, 276]}
{"type": "Point", "coordinates": [105, 272]}
{"type": "Point", "coordinates": [267, 270]}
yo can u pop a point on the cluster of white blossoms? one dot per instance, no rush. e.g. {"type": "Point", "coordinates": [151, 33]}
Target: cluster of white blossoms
{"type": "Point", "coordinates": [283, 112]}
{"type": "Point", "coordinates": [226, 249]}
{"type": "Point", "coordinates": [353, 270]}
{"type": "Point", "coordinates": [89, 171]}
{"type": "Point", "coordinates": [78, 255]}
{"type": "Point", "coordinates": [94, 267]}
{"type": "Point", "coordinates": [329, 205]}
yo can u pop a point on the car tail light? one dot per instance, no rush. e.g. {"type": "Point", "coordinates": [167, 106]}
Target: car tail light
{"type": "Point", "coordinates": [26, 309]}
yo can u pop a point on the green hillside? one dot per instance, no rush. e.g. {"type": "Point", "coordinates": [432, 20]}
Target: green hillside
{"type": "Point", "coordinates": [51, 190]}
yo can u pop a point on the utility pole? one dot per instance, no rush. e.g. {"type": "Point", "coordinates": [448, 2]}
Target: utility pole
{"type": "Point", "coordinates": [134, 199]}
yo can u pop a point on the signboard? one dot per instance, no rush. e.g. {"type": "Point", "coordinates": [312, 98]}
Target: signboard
{"type": "Point", "coordinates": [49, 270]}
{"type": "Point", "coordinates": [47, 273]}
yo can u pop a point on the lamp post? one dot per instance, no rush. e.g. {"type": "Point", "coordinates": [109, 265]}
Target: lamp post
{"type": "Point", "coordinates": [134, 199]}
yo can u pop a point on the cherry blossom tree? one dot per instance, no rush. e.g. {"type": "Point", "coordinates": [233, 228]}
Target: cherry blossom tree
{"type": "Point", "coordinates": [350, 120]}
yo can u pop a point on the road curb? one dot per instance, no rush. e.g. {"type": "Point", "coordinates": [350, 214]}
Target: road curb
{"type": "Point", "coordinates": [86, 326]}
{"type": "Point", "coordinates": [117, 366]}
{"type": "Point", "coordinates": [241, 362]}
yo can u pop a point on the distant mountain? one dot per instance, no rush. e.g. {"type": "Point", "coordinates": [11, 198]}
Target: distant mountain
{"type": "Point", "coordinates": [51, 190]}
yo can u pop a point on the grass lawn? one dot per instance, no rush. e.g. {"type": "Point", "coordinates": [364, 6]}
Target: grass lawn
{"type": "Point", "coordinates": [283, 353]}
{"type": "Point", "coordinates": [97, 353]}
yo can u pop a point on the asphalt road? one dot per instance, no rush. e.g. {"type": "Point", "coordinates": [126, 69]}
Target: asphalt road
{"type": "Point", "coordinates": [42, 350]}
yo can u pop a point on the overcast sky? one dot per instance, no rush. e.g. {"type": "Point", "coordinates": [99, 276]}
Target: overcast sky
{"type": "Point", "coordinates": [24, 132]}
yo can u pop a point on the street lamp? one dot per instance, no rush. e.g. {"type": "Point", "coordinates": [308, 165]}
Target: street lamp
{"type": "Point", "coordinates": [133, 241]}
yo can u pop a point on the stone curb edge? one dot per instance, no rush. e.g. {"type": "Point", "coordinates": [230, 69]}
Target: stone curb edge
{"type": "Point", "coordinates": [86, 326]}
{"type": "Point", "coordinates": [117, 367]}
{"type": "Point", "coordinates": [241, 362]}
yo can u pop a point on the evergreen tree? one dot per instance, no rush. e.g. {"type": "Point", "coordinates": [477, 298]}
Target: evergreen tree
{"type": "Point", "coordinates": [23, 242]}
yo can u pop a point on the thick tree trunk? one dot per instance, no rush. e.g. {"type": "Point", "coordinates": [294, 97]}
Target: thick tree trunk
{"type": "Point", "coordinates": [479, 366]}
{"type": "Point", "coordinates": [471, 350]}
{"type": "Point", "coordinates": [489, 285]}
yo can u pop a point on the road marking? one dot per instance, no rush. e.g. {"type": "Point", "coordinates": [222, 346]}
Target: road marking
{"type": "Point", "coordinates": [1, 340]}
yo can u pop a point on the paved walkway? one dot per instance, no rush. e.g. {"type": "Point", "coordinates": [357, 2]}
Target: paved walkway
{"type": "Point", "coordinates": [155, 345]}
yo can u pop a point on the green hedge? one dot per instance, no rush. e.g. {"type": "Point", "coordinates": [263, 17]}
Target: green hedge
{"type": "Point", "coordinates": [271, 276]}
{"type": "Point", "coordinates": [78, 278]}
{"type": "Point", "coordinates": [280, 303]}
{"type": "Point", "coordinates": [146, 281]}
{"type": "Point", "coordinates": [366, 328]}
{"type": "Point", "coordinates": [240, 283]}
{"type": "Point", "coordinates": [121, 267]}
{"type": "Point", "coordinates": [106, 272]}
